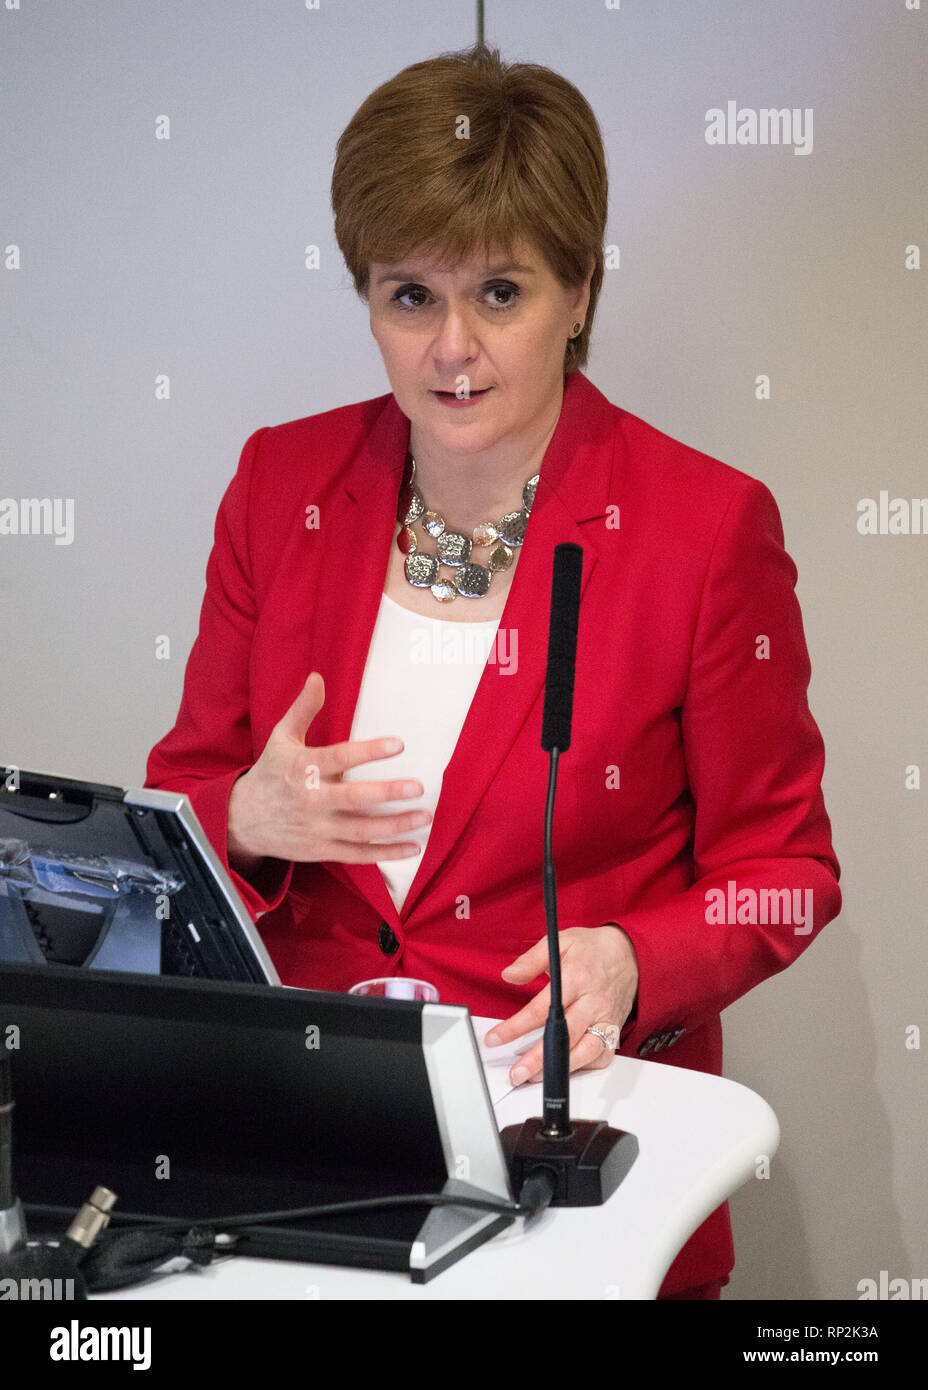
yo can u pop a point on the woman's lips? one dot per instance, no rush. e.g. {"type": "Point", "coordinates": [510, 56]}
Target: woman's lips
{"type": "Point", "coordinates": [454, 393]}
{"type": "Point", "coordinates": [451, 398]}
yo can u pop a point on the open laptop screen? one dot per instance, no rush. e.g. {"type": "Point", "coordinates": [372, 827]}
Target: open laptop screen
{"type": "Point", "coordinates": [108, 879]}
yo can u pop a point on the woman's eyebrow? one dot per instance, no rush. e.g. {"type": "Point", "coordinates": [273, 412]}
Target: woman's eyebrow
{"type": "Point", "coordinates": [494, 270]}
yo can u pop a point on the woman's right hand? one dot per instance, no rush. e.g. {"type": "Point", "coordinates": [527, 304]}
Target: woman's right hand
{"type": "Point", "coordinates": [292, 804]}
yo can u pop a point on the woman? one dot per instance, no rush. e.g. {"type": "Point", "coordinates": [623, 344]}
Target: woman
{"type": "Point", "coordinates": [355, 552]}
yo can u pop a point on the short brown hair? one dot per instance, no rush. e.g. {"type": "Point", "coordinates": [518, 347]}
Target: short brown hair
{"type": "Point", "coordinates": [533, 169]}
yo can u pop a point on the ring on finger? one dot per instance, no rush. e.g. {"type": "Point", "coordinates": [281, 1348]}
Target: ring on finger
{"type": "Point", "coordinates": [608, 1034]}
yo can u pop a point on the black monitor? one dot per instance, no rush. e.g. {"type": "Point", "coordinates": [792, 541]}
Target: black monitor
{"type": "Point", "coordinates": [199, 1099]}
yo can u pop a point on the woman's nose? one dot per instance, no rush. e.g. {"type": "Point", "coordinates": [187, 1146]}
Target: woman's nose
{"type": "Point", "coordinates": [456, 337]}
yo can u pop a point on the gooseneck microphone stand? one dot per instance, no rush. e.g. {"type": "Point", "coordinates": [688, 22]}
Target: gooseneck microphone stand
{"type": "Point", "coordinates": [583, 1160]}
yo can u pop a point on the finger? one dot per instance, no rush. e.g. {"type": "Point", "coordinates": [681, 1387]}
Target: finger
{"type": "Point", "coordinates": [357, 796]}
{"type": "Point", "coordinates": [531, 1016]}
{"type": "Point", "coordinates": [589, 1010]}
{"type": "Point", "coordinates": [529, 1067]}
{"type": "Point", "coordinates": [348, 852]}
{"type": "Point", "coordinates": [531, 963]}
{"type": "Point", "coordinates": [334, 759]}
{"type": "Point", "coordinates": [588, 1049]}
{"type": "Point", "coordinates": [360, 829]}
{"type": "Point", "coordinates": [590, 1053]}
{"type": "Point", "coordinates": [302, 712]}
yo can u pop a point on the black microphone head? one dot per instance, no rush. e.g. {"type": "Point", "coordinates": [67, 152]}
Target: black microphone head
{"type": "Point", "coordinates": [562, 647]}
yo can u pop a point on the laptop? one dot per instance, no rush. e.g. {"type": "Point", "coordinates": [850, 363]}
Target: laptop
{"type": "Point", "coordinates": [105, 878]}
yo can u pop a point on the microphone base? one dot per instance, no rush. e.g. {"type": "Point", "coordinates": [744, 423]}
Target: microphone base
{"type": "Point", "coordinates": [587, 1165]}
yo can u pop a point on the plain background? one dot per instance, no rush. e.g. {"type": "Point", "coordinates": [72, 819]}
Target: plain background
{"type": "Point", "coordinates": [186, 257]}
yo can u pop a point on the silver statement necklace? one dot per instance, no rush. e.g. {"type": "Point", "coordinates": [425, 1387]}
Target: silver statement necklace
{"type": "Point", "coordinates": [453, 548]}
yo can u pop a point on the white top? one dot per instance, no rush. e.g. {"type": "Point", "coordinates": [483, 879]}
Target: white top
{"type": "Point", "coordinates": [419, 680]}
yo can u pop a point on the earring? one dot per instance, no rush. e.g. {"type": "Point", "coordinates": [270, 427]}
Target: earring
{"type": "Point", "coordinates": [576, 329]}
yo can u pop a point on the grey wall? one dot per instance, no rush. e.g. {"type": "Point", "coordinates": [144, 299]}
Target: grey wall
{"type": "Point", "coordinates": [141, 256]}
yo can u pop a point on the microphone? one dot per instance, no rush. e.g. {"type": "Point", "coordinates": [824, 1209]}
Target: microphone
{"type": "Point", "coordinates": [584, 1160]}
{"type": "Point", "coordinates": [562, 648]}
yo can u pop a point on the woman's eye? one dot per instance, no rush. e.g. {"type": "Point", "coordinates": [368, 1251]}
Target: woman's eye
{"type": "Point", "coordinates": [505, 289]}
{"type": "Point", "coordinates": [418, 294]}
{"type": "Point", "coordinates": [401, 294]}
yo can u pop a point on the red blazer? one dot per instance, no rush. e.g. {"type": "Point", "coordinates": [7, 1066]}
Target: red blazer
{"type": "Point", "coordinates": [694, 762]}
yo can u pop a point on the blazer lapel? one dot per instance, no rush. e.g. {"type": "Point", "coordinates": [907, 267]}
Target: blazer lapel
{"type": "Point", "coordinates": [574, 485]}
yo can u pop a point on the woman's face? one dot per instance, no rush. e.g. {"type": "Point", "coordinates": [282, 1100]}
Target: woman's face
{"type": "Point", "coordinates": [499, 328]}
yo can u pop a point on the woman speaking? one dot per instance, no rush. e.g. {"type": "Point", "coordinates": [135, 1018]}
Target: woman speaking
{"type": "Point", "coordinates": [360, 726]}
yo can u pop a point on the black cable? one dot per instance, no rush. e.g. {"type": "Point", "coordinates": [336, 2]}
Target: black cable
{"type": "Point", "coordinates": [536, 1193]}
{"type": "Point", "coordinates": [123, 1258]}
{"type": "Point", "coordinates": [120, 1258]}
{"type": "Point", "coordinates": [266, 1218]}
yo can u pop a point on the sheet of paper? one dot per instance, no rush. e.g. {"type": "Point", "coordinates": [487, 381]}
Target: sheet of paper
{"type": "Point", "coordinates": [497, 1061]}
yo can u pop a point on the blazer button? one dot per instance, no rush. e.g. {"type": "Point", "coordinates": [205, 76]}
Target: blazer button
{"type": "Point", "coordinates": [387, 940]}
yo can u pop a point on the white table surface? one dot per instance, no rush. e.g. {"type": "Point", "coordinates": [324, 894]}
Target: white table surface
{"type": "Point", "coordinates": [699, 1139]}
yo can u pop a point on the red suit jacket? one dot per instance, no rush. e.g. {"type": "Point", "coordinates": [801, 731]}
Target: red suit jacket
{"type": "Point", "coordinates": [695, 764]}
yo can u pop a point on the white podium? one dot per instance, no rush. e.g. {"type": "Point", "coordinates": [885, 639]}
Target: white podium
{"type": "Point", "coordinates": [699, 1139]}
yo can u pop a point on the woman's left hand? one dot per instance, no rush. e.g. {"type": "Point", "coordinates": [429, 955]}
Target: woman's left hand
{"type": "Point", "coordinates": [599, 980]}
